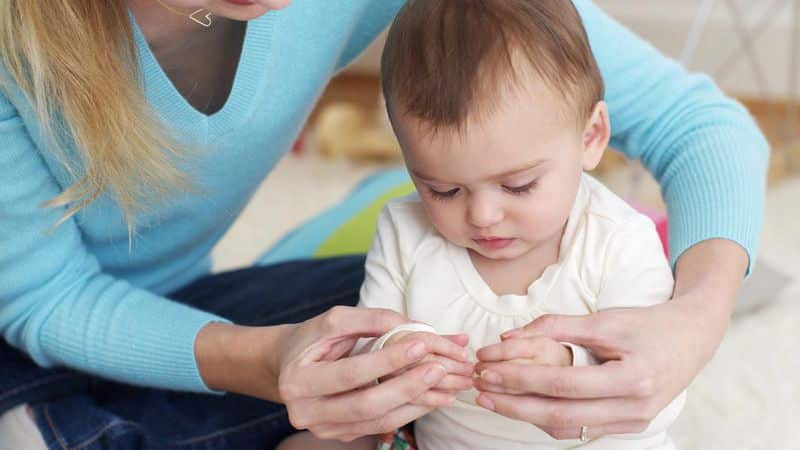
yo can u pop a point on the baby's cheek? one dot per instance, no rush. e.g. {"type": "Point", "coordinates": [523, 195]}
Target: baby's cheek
{"type": "Point", "coordinates": [449, 226]}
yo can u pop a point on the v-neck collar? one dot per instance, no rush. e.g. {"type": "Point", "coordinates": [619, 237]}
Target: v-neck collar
{"type": "Point", "coordinates": [250, 70]}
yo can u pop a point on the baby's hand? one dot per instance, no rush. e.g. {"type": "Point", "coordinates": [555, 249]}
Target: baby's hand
{"type": "Point", "coordinates": [447, 350]}
{"type": "Point", "coordinates": [539, 350]}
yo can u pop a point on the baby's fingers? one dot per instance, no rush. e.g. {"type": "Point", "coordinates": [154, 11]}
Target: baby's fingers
{"type": "Point", "coordinates": [454, 383]}
{"type": "Point", "coordinates": [452, 366]}
{"type": "Point", "coordinates": [434, 399]}
{"type": "Point", "coordinates": [442, 345]}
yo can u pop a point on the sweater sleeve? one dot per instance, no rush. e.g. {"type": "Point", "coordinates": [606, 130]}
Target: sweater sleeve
{"type": "Point", "coordinates": [704, 149]}
{"type": "Point", "coordinates": [375, 17]}
{"type": "Point", "coordinates": [58, 306]}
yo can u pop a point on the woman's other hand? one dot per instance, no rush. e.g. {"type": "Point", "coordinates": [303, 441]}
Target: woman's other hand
{"type": "Point", "coordinates": [651, 354]}
{"type": "Point", "coordinates": [447, 351]}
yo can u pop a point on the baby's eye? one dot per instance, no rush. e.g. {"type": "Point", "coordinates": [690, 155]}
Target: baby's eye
{"type": "Point", "coordinates": [519, 190]}
{"type": "Point", "coordinates": [443, 194]}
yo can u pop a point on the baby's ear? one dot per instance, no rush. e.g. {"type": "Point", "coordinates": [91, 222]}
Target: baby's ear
{"type": "Point", "coordinates": [595, 136]}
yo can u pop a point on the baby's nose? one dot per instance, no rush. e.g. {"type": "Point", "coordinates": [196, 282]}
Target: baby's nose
{"type": "Point", "coordinates": [483, 212]}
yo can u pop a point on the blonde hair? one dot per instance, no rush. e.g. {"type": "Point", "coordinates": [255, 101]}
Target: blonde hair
{"type": "Point", "coordinates": [76, 62]}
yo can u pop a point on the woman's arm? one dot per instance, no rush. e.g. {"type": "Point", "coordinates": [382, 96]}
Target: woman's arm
{"type": "Point", "coordinates": [58, 305]}
{"type": "Point", "coordinates": [704, 148]}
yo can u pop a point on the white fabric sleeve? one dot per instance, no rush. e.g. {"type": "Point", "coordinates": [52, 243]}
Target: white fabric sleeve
{"type": "Point", "coordinates": [636, 272]}
{"type": "Point", "coordinates": [384, 280]}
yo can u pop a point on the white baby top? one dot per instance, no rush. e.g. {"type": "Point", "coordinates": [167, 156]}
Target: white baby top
{"type": "Point", "coordinates": [610, 256]}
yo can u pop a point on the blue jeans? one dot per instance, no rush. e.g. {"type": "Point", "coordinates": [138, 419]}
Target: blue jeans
{"type": "Point", "coordinates": [79, 412]}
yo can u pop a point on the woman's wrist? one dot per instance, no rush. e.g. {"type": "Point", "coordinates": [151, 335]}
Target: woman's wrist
{"type": "Point", "coordinates": [244, 360]}
{"type": "Point", "coordinates": [707, 281]}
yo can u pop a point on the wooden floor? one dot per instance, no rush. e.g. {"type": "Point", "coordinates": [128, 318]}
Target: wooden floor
{"type": "Point", "coordinates": [783, 135]}
{"type": "Point", "coordinates": [772, 117]}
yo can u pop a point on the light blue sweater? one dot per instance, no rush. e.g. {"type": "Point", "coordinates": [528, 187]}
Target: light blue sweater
{"type": "Point", "coordinates": [78, 297]}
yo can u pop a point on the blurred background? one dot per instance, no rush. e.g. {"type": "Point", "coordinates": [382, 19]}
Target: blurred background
{"type": "Point", "coordinates": [748, 397]}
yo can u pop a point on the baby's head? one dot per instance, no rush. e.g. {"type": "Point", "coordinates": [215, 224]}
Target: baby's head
{"type": "Point", "coordinates": [498, 108]}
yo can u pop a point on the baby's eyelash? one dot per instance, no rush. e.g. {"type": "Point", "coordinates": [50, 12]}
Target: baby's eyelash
{"type": "Point", "coordinates": [443, 195]}
{"type": "Point", "coordinates": [519, 190]}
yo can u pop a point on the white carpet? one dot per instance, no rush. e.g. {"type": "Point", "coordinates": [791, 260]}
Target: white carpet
{"type": "Point", "coordinates": [747, 398]}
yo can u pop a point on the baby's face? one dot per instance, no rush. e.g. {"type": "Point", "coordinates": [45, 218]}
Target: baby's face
{"type": "Point", "coordinates": [504, 186]}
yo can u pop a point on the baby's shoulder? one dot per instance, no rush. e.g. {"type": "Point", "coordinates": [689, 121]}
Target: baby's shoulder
{"type": "Point", "coordinates": [407, 221]}
{"type": "Point", "coordinates": [609, 229]}
{"type": "Point", "coordinates": [608, 212]}
{"type": "Point", "coordinates": [404, 225]}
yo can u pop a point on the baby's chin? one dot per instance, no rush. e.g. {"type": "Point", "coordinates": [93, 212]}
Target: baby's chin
{"type": "Point", "coordinates": [505, 254]}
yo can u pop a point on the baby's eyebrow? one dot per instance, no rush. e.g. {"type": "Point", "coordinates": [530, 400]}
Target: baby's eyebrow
{"type": "Point", "coordinates": [504, 174]}
{"type": "Point", "coordinates": [528, 166]}
{"type": "Point", "coordinates": [420, 175]}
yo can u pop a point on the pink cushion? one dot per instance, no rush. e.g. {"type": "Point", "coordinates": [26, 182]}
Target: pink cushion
{"type": "Point", "coordinates": [658, 217]}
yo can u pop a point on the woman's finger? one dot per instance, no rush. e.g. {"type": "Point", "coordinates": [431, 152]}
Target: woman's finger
{"type": "Point", "coordinates": [376, 401]}
{"type": "Point", "coordinates": [459, 374]}
{"type": "Point", "coordinates": [516, 348]}
{"type": "Point", "coordinates": [597, 431]}
{"type": "Point", "coordinates": [610, 379]}
{"type": "Point", "coordinates": [349, 373]}
{"type": "Point", "coordinates": [595, 331]}
{"type": "Point", "coordinates": [458, 339]}
{"type": "Point", "coordinates": [483, 386]}
{"type": "Point", "coordinates": [434, 399]}
{"type": "Point", "coordinates": [439, 345]}
{"type": "Point", "coordinates": [362, 322]}
{"type": "Point", "coordinates": [565, 414]}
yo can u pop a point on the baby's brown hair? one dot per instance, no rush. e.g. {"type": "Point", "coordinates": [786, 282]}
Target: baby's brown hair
{"type": "Point", "coordinates": [446, 60]}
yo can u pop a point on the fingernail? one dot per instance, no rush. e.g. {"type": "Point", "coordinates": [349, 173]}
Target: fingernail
{"type": "Point", "coordinates": [491, 377]}
{"type": "Point", "coordinates": [434, 374]}
{"type": "Point", "coordinates": [486, 402]}
{"type": "Point", "coordinates": [510, 334]}
{"type": "Point", "coordinates": [416, 351]}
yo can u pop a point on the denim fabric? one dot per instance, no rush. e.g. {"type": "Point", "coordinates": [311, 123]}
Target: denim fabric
{"type": "Point", "coordinates": [79, 412]}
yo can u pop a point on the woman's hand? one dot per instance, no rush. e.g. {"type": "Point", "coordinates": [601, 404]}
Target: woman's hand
{"type": "Point", "coordinates": [651, 354]}
{"type": "Point", "coordinates": [449, 352]}
{"type": "Point", "coordinates": [336, 397]}
{"type": "Point", "coordinates": [306, 367]}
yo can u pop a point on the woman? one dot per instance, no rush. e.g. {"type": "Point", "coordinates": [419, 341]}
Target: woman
{"type": "Point", "coordinates": [132, 134]}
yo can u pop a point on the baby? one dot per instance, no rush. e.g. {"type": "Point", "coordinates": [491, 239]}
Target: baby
{"type": "Point", "coordinates": [498, 106]}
